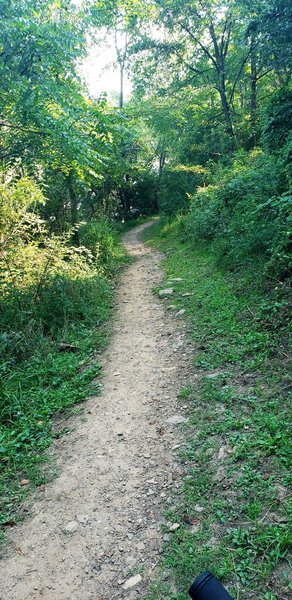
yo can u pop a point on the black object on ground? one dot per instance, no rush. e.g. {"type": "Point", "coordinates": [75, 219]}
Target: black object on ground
{"type": "Point", "coordinates": [207, 587]}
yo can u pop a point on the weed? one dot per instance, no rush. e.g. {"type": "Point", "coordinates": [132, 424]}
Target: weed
{"type": "Point", "coordinates": [237, 454]}
{"type": "Point", "coordinates": [185, 392]}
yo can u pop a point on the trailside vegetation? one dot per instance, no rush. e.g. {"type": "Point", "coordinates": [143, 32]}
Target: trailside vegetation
{"type": "Point", "coordinates": [205, 140]}
{"type": "Point", "coordinates": [67, 168]}
{"type": "Point", "coordinates": [234, 510]}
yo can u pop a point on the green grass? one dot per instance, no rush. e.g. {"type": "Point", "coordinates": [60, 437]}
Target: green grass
{"type": "Point", "coordinates": [49, 383]}
{"type": "Point", "coordinates": [237, 451]}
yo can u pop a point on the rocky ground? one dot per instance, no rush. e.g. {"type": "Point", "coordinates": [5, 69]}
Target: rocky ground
{"type": "Point", "coordinates": [94, 533]}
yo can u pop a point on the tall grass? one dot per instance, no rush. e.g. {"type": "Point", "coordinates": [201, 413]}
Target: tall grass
{"type": "Point", "coordinates": [55, 300]}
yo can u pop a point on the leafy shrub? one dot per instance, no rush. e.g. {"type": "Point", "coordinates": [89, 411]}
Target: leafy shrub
{"type": "Point", "coordinates": [207, 216]}
{"type": "Point", "coordinates": [15, 202]}
{"type": "Point", "coordinates": [101, 239]}
{"type": "Point", "coordinates": [278, 119]}
{"type": "Point", "coordinates": [44, 290]}
{"type": "Point", "coordinates": [244, 213]}
{"type": "Point", "coordinates": [177, 184]}
{"type": "Point", "coordinates": [47, 284]}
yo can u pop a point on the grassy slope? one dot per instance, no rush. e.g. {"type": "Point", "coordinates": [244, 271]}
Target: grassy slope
{"type": "Point", "coordinates": [49, 383]}
{"type": "Point", "coordinates": [234, 507]}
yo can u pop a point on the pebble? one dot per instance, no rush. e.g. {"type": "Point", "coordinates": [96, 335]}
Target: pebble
{"type": "Point", "coordinates": [221, 453]}
{"type": "Point", "coordinates": [132, 582]}
{"type": "Point", "coordinates": [71, 527]}
{"type": "Point", "coordinates": [174, 526]}
{"type": "Point", "coordinates": [176, 279]}
{"type": "Point", "coordinates": [166, 292]}
{"type": "Point", "coordinates": [212, 375]}
{"type": "Point", "coordinates": [220, 475]}
{"type": "Point", "coordinates": [141, 546]}
{"type": "Point", "coordinates": [176, 420]}
{"type": "Point", "coordinates": [83, 519]}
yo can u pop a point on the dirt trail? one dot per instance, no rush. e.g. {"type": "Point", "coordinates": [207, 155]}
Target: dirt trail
{"type": "Point", "coordinates": [99, 523]}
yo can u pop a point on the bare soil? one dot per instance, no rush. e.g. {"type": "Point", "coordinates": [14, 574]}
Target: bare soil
{"type": "Point", "coordinates": [99, 522]}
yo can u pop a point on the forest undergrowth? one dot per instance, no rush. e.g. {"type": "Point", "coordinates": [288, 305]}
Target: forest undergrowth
{"type": "Point", "coordinates": [54, 327]}
{"type": "Point", "coordinates": [233, 509]}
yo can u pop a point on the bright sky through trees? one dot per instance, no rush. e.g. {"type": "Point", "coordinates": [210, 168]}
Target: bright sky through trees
{"type": "Point", "coordinates": [100, 72]}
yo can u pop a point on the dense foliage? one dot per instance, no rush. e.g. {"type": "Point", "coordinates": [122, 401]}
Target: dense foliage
{"type": "Point", "coordinates": [63, 166]}
{"type": "Point", "coordinates": [205, 139]}
{"type": "Point", "coordinates": [214, 79]}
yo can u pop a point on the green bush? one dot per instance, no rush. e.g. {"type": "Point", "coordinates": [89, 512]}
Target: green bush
{"type": "Point", "coordinates": [48, 284]}
{"type": "Point", "coordinates": [53, 297]}
{"type": "Point", "coordinates": [48, 300]}
{"type": "Point", "coordinates": [176, 185]}
{"type": "Point", "coordinates": [101, 239]}
{"type": "Point", "coordinates": [245, 213]}
{"type": "Point", "coordinates": [278, 119]}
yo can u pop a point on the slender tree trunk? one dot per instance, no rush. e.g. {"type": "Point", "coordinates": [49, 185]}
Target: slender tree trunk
{"type": "Point", "coordinates": [253, 97]}
{"type": "Point", "coordinates": [121, 98]}
{"type": "Point", "coordinates": [122, 54]}
{"type": "Point", "coordinates": [225, 103]}
{"type": "Point", "coordinates": [125, 202]}
{"type": "Point", "coordinates": [73, 200]}
{"type": "Point", "coordinates": [219, 63]}
{"type": "Point", "coordinates": [162, 159]}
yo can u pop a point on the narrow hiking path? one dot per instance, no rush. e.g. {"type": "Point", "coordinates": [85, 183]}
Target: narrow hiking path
{"type": "Point", "coordinates": [99, 523]}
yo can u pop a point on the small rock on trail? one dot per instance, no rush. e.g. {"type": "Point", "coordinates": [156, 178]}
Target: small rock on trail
{"type": "Point", "coordinates": [132, 582]}
{"type": "Point", "coordinates": [71, 527]}
{"type": "Point", "coordinates": [166, 292]}
{"type": "Point", "coordinates": [100, 520]}
{"type": "Point", "coordinates": [176, 420]}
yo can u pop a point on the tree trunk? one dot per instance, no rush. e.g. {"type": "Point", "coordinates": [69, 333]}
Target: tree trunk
{"type": "Point", "coordinates": [219, 64]}
{"type": "Point", "coordinates": [121, 98]}
{"type": "Point", "coordinates": [225, 104]}
{"type": "Point", "coordinates": [253, 97]}
{"type": "Point", "coordinates": [125, 202]}
{"type": "Point", "coordinates": [73, 201]}
{"type": "Point", "coordinates": [122, 54]}
{"type": "Point", "coordinates": [162, 159]}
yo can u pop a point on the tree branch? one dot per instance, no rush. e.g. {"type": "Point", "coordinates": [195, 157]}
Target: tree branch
{"type": "Point", "coordinates": [190, 67]}
{"type": "Point", "coordinates": [227, 41]}
{"type": "Point", "coordinates": [264, 74]}
{"type": "Point", "coordinates": [190, 33]}
{"type": "Point", "coordinates": [238, 77]}
{"type": "Point", "coordinates": [4, 124]}
{"type": "Point", "coordinates": [205, 50]}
